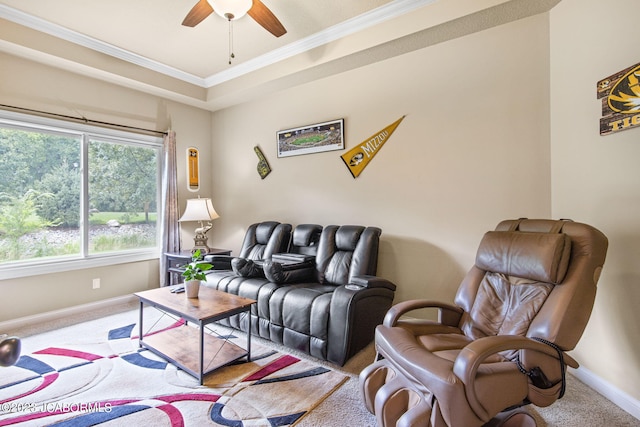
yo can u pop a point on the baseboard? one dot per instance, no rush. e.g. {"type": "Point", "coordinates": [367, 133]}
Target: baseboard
{"type": "Point", "coordinates": [615, 395]}
{"type": "Point", "coordinates": [55, 315]}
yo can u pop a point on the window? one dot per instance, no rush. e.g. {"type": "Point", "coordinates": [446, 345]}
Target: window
{"type": "Point", "coordinates": [74, 196]}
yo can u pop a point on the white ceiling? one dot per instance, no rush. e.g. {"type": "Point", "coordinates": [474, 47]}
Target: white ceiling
{"type": "Point", "coordinates": [152, 28]}
{"type": "Point", "coordinates": [147, 48]}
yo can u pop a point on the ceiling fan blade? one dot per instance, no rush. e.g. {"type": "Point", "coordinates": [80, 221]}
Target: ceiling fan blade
{"type": "Point", "coordinates": [263, 16]}
{"type": "Point", "coordinates": [201, 10]}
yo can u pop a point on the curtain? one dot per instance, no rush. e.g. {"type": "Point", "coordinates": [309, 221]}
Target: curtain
{"type": "Point", "coordinates": [170, 228]}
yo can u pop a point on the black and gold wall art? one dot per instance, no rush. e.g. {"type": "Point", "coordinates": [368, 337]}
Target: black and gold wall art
{"type": "Point", "coordinates": [620, 95]}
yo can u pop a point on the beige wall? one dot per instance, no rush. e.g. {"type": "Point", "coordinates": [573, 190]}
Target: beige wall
{"type": "Point", "coordinates": [30, 85]}
{"type": "Point", "coordinates": [472, 150]}
{"type": "Point", "coordinates": [483, 140]}
{"type": "Point", "coordinates": [595, 178]}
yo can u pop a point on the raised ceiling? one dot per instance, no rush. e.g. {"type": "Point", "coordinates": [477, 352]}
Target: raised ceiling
{"type": "Point", "coordinates": [142, 44]}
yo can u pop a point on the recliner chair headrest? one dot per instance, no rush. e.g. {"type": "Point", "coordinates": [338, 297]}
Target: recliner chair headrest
{"type": "Point", "coordinates": [306, 234]}
{"type": "Point", "coordinates": [347, 237]}
{"type": "Point", "coordinates": [264, 231]}
{"type": "Point", "coordinates": [542, 257]}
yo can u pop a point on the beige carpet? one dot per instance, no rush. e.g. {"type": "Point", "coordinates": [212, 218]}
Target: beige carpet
{"type": "Point", "coordinates": [580, 407]}
{"type": "Point", "coordinates": [95, 374]}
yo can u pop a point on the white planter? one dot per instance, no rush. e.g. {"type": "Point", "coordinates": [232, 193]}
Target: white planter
{"type": "Point", "coordinates": [191, 288]}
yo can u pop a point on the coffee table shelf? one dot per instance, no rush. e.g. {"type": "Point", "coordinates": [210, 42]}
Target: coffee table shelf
{"type": "Point", "coordinates": [165, 344]}
{"type": "Point", "coordinates": [178, 345]}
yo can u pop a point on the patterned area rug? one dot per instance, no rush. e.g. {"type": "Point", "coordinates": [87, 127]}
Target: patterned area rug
{"type": "Point", "coordinates": [93, 374]}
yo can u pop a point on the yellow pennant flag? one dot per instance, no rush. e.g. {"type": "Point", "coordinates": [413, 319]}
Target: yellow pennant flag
{"type": "Point", "coordinates": [359, 156]}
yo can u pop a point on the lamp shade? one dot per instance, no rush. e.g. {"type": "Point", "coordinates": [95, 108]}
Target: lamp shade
{"type": "Point", "coordinates": [199, 210]}
{"type": "Point", "coordinates": [231, 9]}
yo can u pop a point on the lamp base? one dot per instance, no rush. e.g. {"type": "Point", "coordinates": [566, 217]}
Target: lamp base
{"type": "Point", "coordinates": [200, 243]}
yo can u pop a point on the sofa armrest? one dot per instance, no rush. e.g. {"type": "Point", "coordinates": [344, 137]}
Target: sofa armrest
{"type": "Point", "coordinates": [356, 309]}
{"type": "Point", "coordinates": [371, 282]}
{"type": "Point", "coordinates": [292, 272]}
{"type": "Point", "coordinates": [290, 258]}
{"type": "Point", "coordinates": [246, 267]}
{"type": "Point", "coordinates": [219, 262]}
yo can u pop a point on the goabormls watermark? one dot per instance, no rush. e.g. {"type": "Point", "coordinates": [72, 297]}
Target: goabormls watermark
{"type": "Point", "coordinates": [55, 407]}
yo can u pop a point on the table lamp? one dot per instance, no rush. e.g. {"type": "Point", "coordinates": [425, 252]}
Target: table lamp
{"type": "Point", "coordinates": [200, 210]}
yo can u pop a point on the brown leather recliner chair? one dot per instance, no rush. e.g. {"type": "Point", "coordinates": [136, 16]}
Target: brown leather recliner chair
{"type": "Point", "coordinates": [503, 342]}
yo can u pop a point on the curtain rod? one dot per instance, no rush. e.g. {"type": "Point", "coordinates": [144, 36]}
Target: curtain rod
{"type": "Point", "coordinates": [83, 119]}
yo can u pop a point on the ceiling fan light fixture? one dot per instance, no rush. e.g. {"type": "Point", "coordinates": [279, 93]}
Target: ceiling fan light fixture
{"type": "Point", "coordinates": [231, 9]}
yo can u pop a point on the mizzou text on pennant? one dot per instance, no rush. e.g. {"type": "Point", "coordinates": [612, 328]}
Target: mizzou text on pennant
{"type": "Point", "coordinates": [359, 156]}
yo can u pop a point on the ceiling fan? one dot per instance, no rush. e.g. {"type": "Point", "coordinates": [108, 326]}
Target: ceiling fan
{"type": "Point", "coordinates": [235, 9]}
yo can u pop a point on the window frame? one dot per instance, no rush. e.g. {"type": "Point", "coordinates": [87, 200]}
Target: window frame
{"type": "Point", "coordinates": [83, 260]}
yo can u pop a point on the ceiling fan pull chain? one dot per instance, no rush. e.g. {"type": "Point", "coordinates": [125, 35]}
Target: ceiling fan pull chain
{"type": "Point", "coordinates": [231, 55]}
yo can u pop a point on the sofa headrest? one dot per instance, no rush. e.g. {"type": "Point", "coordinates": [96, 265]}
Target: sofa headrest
{"type": "Point", "coordinates": [543, 257]}
{"type": "Point", "coordinates": [264, 231]}
{"type": "Point", "coordinates": [347, 237]}
{"type": "Point", "coordinates": [306, 234]}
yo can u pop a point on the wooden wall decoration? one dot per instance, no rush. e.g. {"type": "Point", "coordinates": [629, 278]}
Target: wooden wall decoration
{"type": "Point", "coordinates": [620, 94]}
{"type": "Point", "coordinates": [193, 174]}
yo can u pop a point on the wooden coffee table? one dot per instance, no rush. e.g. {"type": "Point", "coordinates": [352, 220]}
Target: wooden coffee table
{"type": "Point", "coordinates": [178, 344]}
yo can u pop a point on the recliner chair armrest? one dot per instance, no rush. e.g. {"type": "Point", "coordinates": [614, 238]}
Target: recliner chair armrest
{"type": "Point", "coordinates": [448, 314]}
{"type": "Point", "coordinates": [476, 352]}
{"type": "Point", "coordinates": [372, 282]}
{"type": "Point", "coordinates": [219, 262]}
{"type": "Point", "coordinates": [246, 267]}
{"type": "Point", "coordinates": [295, 272]}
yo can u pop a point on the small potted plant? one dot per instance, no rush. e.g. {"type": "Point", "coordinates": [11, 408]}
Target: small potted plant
{"type": "Point", "coordinates": [194, 273]}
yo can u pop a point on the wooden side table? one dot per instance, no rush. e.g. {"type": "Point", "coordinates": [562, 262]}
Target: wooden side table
{"type": "Point", "coordinates": [175, 262]}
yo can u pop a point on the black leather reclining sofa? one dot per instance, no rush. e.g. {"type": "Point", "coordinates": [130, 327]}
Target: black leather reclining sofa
{"type": "Point", "coordinates": [315, 287]}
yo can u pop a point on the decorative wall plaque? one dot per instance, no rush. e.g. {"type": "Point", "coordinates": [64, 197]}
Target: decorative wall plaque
{"type": "Point", "coordinates": [263, 166]}
{"type": "Point", "coordinates": [193, 173]}
{"type": "Point", "coordinates": [620, 94]}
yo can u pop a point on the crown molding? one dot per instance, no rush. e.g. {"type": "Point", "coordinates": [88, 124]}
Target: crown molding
{"type": "Point", "coordinates": [343, 29]}
{"type": "Point", "coordinates": [63, 33]}
{"type": "Point", "coordinates": [351, 26]}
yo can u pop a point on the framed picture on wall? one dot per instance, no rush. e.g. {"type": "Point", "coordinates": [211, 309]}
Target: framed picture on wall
{"type": "Point", "coordinates": [317, 138]}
